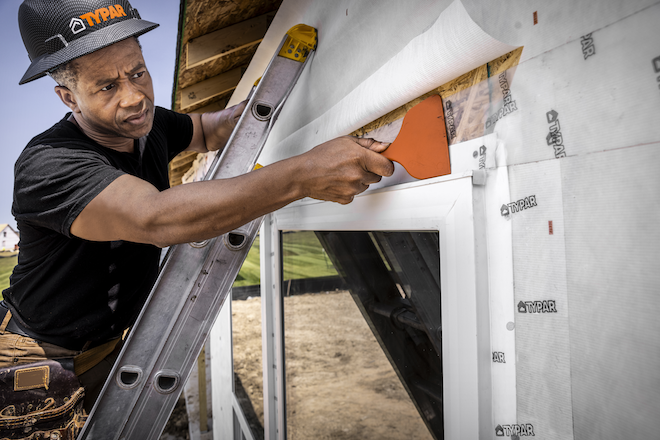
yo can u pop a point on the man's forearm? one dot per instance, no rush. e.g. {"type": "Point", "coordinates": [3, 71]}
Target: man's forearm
{"type": "Point", "coordinates": [200, 210]}
{"type": "Point", "coordinates": [134, 210]}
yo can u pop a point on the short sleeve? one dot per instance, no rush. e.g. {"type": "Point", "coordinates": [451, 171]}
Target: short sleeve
{"type": "Point", "coordinates": [53, 185]}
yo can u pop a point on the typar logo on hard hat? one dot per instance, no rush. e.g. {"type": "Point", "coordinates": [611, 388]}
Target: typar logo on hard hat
{"type": "Point", "coordinates": [104, 14]}
{"type": "Point", "coordinates": [56, 32]}
{"type": "Point", "coordinates": [77, 25]}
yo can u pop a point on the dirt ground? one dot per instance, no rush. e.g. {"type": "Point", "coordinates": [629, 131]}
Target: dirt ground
{"type": "Point", "coordinates": [177, 426]}
{"type": "Point", "coordinates": [340, 385]}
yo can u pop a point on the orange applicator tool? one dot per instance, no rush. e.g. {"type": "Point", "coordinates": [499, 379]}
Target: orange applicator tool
{"type": "Point", "coordinates": [421, 145]}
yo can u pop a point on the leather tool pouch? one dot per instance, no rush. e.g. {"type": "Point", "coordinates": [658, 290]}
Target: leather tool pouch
{"type": "Point", "coordinates": [42, 400]}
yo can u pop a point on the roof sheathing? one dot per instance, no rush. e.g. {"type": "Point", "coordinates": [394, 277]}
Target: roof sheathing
{"type": "Point", "coordinates": [201, 17]}
{"type": "Point", "coordinates": [198, 18]}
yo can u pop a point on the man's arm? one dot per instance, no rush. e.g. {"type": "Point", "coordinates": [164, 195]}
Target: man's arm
{"type": "Point", "coordinates": [134, 210]}
{"type": "Point", "coordinates": [211, 131]}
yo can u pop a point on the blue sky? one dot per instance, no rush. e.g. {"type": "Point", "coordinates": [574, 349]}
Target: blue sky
{"type": "Point", "coordinates": [29, 109]}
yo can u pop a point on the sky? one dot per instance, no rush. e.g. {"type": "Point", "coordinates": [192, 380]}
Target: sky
{"type": "Point", "coordinates": [34, 107]}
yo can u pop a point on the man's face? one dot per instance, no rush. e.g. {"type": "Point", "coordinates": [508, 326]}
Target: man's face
{"type": "Point", "coordinates": [114, 92]}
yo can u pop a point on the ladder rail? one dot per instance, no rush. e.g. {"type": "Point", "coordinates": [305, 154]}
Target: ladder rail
{"type": "Point", "coordinates": [159, 354]}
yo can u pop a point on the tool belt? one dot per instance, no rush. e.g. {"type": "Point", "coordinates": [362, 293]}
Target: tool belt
{"type": "Point", "coordinates": [42, 400]}
{"type": "Point", "coordinates": [92, 352]}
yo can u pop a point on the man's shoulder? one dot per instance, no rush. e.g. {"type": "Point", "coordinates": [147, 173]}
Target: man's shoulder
{"type": "Point", "coordinates": [62, 141]}
{"type": "Point", "coordinates": [172, 129]}
{"type": "Point", "coordinates": [162, 112]}
{"type": "Point", "coordinates": [62, 138]}
{"type": "Point", "coordinates": [165, 119]}
{"type": "Point", "coordinates": [61, 132]}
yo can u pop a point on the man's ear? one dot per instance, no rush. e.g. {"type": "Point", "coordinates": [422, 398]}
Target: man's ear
{"type": "Point", "coordinates": [68, 98]}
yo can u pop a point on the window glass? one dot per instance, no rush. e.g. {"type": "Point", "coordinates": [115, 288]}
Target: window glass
{"type": "Point", "coordinates": [246, 344]}
{"type": "Point", "coordinates": [363, 353]}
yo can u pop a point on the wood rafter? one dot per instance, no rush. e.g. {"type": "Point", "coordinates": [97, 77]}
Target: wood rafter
{"type": "Point", "coordinates": [182, 159]}
{"type": "Point", "coordinates": [210, 88]}
{"type": "Point", "coordinates": [227, 40]}
{"type": "Point", "coordinates": [218, 41]}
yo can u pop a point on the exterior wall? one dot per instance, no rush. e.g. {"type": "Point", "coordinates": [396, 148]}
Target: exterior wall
{"type": "Point", "coordinates": [568, 205]}
{"type": "Point", "coordinates": [8, 239]}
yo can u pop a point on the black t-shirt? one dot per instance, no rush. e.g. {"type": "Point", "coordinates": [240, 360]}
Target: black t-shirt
{"type": "Point", "coordinates": [68, 287]}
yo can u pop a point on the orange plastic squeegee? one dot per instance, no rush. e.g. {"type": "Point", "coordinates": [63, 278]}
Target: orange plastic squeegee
{"type": "Point", "coordinates": [421, 145]}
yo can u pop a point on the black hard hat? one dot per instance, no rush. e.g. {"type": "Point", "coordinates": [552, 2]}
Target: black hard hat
{"type": "Point", "coordinates": [55, 32]}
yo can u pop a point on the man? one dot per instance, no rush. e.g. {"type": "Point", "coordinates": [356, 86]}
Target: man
{"type": "Point", "coordinates": [91, 196]}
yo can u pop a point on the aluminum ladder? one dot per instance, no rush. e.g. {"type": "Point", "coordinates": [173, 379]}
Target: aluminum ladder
{"type": "Point", "coordinates": [162, 348]}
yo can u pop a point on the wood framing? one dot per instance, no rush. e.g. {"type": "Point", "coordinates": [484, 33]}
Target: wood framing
{"type": "Point", "coordinates": [216, 43]}
{"type": "Point", "coordinates": [210, 88]}
{"type": "Point", "coordinates": [215, 106]}
{"type": "Point", "coordinates": [179, 165]}
{"type": "Point", "coordinates": [227, 40]}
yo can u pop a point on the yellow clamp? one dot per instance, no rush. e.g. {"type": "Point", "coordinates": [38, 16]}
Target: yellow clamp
{"type": "Point", "coordinates": [300, 40]}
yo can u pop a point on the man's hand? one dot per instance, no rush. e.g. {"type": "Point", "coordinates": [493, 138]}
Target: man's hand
{"type": "Point", "coordinates": [211, 131]}
{"type": "Point", "coordinates": [340, 169]}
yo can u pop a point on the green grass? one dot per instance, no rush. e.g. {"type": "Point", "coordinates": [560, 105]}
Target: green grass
{"type": "Point", "coordinates": [304, 257]}
{"type": "Point", "coordinates": [249, 274]}
{"type": "Point", "coordinates": [6, 267]}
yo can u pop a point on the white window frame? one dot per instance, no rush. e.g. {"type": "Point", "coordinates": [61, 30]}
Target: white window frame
{"type": "Point", "coordinates": [454, 207]}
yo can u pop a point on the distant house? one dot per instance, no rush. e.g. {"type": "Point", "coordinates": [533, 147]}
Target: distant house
{"type": "Point", "coordinates": [8, 238]}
